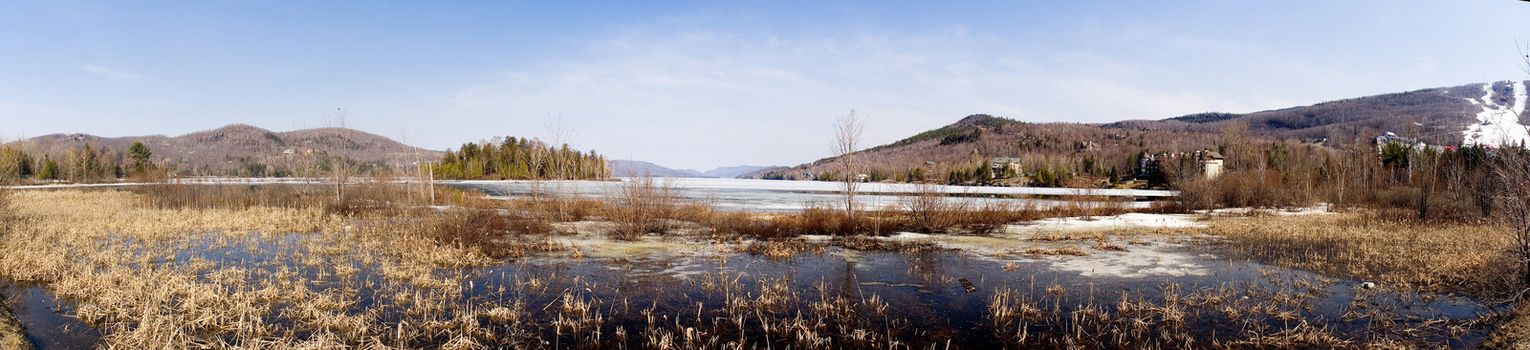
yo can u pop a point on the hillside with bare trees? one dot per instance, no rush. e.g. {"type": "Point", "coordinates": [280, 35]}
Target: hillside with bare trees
{"type": "Point", "coordinates": [1095, 155]}
{"type": "Point", "coordinates": [243, 150]}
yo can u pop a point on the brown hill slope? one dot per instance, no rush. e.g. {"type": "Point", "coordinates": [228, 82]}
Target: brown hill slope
{"type": "Point", "coordinates": [245, 150]}
{"type": "Point", "coordinates": [1436, 116]}
{"type": "Point", "coordinates": [976, 139]}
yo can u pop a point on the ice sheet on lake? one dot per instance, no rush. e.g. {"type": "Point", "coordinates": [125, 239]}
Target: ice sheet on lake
{"type": "Point", "coordinates": [781, 196]}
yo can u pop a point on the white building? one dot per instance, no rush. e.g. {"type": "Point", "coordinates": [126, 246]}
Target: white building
{"type": "Point", "coordinates": [1211, 163]}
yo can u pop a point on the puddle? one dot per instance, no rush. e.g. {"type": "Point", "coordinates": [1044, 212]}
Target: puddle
{"type": "Point", "coordinates": [47, 323]}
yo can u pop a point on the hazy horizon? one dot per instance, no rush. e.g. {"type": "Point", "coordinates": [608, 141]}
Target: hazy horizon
{"type": "Point", "coordinates": [699, 85]}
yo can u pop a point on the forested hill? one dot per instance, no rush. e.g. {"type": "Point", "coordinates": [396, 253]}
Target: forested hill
{"type": "Point", "coordinates": [1436, 115]}
{"type": "Point", "coordinates": [520, 158]}
{"type": "Point", "coordinates": [1090, 153]}
{"type": "Point", "coordinates": [233, 150]}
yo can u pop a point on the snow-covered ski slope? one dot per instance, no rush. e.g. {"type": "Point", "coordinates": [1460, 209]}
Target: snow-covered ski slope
{"type": "Point", "coordinates": [1498, 125]}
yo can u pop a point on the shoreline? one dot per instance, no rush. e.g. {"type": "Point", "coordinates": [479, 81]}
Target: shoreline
{"type": "Point", "coordinates": [12, 336]}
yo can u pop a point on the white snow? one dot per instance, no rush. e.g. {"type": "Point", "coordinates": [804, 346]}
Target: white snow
{"type": "Point", "coordinates": [1128, 220]}
{"type": "Point", "coordinates": [1498, 125]}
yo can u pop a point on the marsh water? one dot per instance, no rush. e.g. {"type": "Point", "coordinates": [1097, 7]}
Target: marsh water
{"type": "Point", "coordinates": [939, 295]}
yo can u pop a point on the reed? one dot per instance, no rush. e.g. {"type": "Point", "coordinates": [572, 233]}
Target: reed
{"type": "Point", "coordinates": [1374, 245]}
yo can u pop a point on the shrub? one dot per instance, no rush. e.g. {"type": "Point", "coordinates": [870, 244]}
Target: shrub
{"type": "Point", "coordinates": [641, 206]}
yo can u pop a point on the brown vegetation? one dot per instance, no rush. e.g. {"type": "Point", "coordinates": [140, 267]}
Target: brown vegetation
{"type": "Point", "coordinates": [1380, 247]}
{"type": "Point", "coordinates": [11, 334]}
{"type": "Point", "coordinates": [642, 206]}
{"type": "Point", "coordinates": [235, 150]}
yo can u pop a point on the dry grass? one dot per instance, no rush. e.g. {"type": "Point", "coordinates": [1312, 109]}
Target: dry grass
{"type": "Point", "coordinates": [1512, 333]}
{"type": "Point", "coordinates": [117, 256]}
{"type": "Point", "coordinates": [11, 335]}
{"type": "Point", "coordinates": [1270, 314]}
{"type": "Point", "coordinates": [1064, 250]}
{"type": "Point", "coordinates": [1372, 246]}
{"type": "Point", "coordinates": [783, 248]}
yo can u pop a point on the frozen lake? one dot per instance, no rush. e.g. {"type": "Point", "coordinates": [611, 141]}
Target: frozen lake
{"type": "Point", "coordinates": [778, 195]}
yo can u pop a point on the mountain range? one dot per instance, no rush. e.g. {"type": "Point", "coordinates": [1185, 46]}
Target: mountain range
{"type": "Point", "coordinates": [632, 168]}
{"type": "Point", "coordinates": [1485, 113]}
{"type": "Point", "coordinates": [239, 148]}
{"type": "Point", "coordinates": [1491, 114]}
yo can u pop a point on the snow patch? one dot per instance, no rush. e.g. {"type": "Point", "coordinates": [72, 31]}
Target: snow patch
{"type": "Point", "coordinates": [1498, 125]}
{"type": "Point", "coordinates": [1128, 220]}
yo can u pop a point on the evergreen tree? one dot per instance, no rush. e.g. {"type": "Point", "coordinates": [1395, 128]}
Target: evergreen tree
{"type": "Point", "coordinates": [140, 155]}
{"type": "Point", "coordinates": [49, 169]}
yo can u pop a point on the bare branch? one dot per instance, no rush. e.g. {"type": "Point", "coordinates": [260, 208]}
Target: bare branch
{"type": "Point", "coordinates": [847, 139]}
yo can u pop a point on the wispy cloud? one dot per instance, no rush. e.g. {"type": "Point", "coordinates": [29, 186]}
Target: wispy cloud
{"type": "Point", "coordinates": [110, 73]}
{"type": "Point", "coordinates": [765, 96]}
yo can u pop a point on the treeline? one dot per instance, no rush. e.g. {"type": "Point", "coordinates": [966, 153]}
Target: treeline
{"type": "Point", "coordinates": [79, 165]}
{"type": "Point", "coordinates": [1432, 181]}
{"type": "Point", "coordinates": [1042, 155]}
{"type": "Point", "coordinates": [1084, 170]}
{"type": "Point", "coordinates": [520, 159]}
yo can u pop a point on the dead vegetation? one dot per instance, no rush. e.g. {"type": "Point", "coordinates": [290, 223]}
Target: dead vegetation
{"type": "Point", "coordinates": [11, 335]}
{"type": "Point", "coordinates": [643, 206]}
{"type": "Point", "coordinates": [1378, 246]}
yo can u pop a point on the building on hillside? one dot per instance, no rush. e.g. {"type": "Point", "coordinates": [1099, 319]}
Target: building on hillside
{"type": "Point", "coordinates": [1412, 143]}
{"type": "Point", "coordinates": [1390, 138]}
{"type": "Point", "coordinates": [1004, 165]}
{"type": "Point", "coordinates": [1147, 166]}
{"type": "Point", "coordinates": [1210, 162]}
{"type": "Point", "coordinates": [1150, 166]}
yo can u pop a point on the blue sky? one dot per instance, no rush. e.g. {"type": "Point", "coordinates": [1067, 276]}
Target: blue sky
{"type": "Point", "coordinates": [705, 84]}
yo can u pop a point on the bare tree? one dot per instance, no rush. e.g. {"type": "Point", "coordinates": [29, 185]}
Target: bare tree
{"type": "Point", "coordinates": [847, 140]}
{"type": "Point", "coordinates": [559, 135]}
{"type": "Point", "coordinates": [339, 166]}
{"type": "Point", "coordinates": [1512, 169]}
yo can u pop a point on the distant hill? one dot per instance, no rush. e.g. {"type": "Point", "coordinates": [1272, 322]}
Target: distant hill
{"type": "Point", "coordinates": [738, 171]}
{"type": "Point", "coordinates": [1438, 115]}
{"type": "Point", "coordinates": [1486, 113]}
{"type": "Point", "coordinates": [975, 139]}
{"type": "Point", "coordinates": [245, 150]}
{"type": "Point", "coordinates": [631, 168]}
